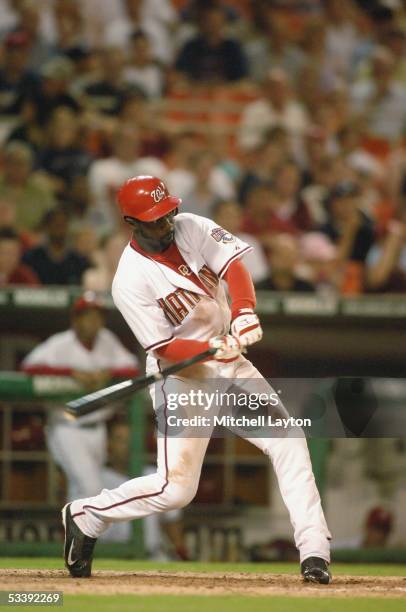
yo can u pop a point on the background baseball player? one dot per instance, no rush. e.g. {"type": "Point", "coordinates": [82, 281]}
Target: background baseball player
{"type": "Point", "coordinates": [92, 355]}
{"type": "Point", "coordinates": [167, 286]}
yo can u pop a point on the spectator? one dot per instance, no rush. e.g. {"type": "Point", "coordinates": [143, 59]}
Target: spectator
{"type": "Point", "coordinates": [289, 212]}
{"type": "Point", "coordinates": [100, 277]}
{"type": "Point", "coordinates": [350, 141]}
{"type": "Point", "coordinates": [229, 215]}
{"type": "Point", "coordinates": [257, 212]}
{"type": "Point", "coordinates": [319, 264]}
{"type": "Point", "coordinates": [396, 43]}
{"type": "Point", "coordinates": [85, 242]}
{"type": "Point", "coordinates": [208, 184]}
{"type": "Point", "coordinates": [106, 176]}
{"type": "Point", "coordinates": [28, 130]}
{"type": "Point", "coordinates": [17, 80]}
{"type": "Point", "coordinates": [53, 90]}
{"type": "Point", "coordinates": [273, 150]}
{"type": "Point", "coordinates": [62, 158]}
{"type": "Point", "coordinates": [106, 94]}
{"type": "Point", "coordinates": [321, 176]}
{"type": "Point", "coordinates": [332, 112]}
{"type": "Point", "coordinates": [283, 260]}
{"type": "Point", "coordinates": [12, 271]}
{"type": "Point", "coordinates": [150, 120]}
{"type": "Point", "coordinates": [183, 148]}
{"type": "Point", "coordinates": [53, 260]}
{"type": "Point", "coordinates": [342, 37]}
{"type": "Point", "coordinates": [348, 226]}
{"type": "Point", "coordinates": [153, 18]}
{"type": "Point", "coordinates": [142, 71]}
{"type": "Point", "coordinates": [210, 56]}
{"type": "Point", "coordinates": [379, 103]}
{"type": "Point", "coordinates": [315, 76]}
{"type": "Point", "coordinates": [8, 221]}
{"type": "Point", "coordinates": [386, 262]}
{"type": "Point", "coordinates": [29, 24]}
{"type": "Point", "coordinates": [87, 66]}
{"type": "Point", "coordinates": [20, 186]}
{"type": "Point", "coordinates": [69, 28]}
{"type": "Point", "coordinates": [277, 106]}
{"type": "Point", "coordinates": [316, 149]}
{"type": "Point", "coordinates": [271, 47]}
{"type": "Point", "coordinates": [352, 231]}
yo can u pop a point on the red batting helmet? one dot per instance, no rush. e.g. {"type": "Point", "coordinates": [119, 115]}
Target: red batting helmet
{"type": "Point", "coordinates": [145, 198]}
{"type": "Point", "coordinates": [87, 300]}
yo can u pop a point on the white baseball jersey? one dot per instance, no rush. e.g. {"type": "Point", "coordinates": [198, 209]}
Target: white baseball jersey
{"type": "Point", "coordinates": [161, 303]}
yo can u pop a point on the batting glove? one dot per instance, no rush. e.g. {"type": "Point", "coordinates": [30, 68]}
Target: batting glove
{"type": "Point", "coordinates": [228, 348]}
{"type": "Point", "coordinates": [246, 327]}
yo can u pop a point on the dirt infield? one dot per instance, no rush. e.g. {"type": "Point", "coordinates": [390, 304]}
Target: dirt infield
{"type": "Point", "coordinates": [194, 583]}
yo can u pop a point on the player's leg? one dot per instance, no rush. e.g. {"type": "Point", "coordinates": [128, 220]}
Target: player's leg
{"type": "Point", "coordinates": [290, 458]}
{"type": "Point", "coordinates": [80, 452]}
{"type": "Point", "coordinates": [173, 485]}
{"type": "Point", "coordinates": [158, 527]}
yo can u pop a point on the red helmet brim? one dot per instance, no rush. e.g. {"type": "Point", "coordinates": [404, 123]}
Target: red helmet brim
{"type": "Point", "coordinates": [159, 210]}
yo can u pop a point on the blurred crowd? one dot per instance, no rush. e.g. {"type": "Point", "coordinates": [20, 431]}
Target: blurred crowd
{"type": "Point", "coordinates": [283, 120]}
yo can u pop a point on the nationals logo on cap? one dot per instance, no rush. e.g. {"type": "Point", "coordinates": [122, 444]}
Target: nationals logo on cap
{"type": "Point", "coordinates": [158, 194]}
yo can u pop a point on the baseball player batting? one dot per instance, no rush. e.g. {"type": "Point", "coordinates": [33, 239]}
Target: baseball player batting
{"type": "Point", "coordinates": [167, 287]}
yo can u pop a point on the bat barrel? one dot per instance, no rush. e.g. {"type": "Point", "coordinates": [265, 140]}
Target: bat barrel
{"type": "Point", "coordinates": [92, 401]}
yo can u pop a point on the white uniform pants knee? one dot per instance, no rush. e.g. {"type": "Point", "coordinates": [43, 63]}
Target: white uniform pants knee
{"type": "Point", "coordinates": [173, 486]}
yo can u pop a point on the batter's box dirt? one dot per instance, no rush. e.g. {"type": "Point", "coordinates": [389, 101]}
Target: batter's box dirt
{"type": "Point", "coordinates": [194, 583]}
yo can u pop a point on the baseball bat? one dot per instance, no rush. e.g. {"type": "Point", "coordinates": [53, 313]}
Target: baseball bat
{"type": "Point", "coordinates": [96, 400]}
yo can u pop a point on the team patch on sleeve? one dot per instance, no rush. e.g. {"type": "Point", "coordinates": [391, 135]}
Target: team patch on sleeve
{"type": "Point", "coordinates": [221, 235]}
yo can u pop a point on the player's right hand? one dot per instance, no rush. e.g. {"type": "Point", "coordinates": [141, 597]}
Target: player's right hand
{"type": "Point", "coordinates": [228, 348]}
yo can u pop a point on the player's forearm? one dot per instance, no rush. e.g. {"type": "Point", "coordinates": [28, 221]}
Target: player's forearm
{"type": "Point", "coordinates": [181, 349]}
{"type": "Point", "coordinates": [240, 287]}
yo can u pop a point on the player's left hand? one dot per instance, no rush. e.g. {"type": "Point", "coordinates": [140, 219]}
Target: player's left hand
{"type": "Point", "coordinates": [246, 327]}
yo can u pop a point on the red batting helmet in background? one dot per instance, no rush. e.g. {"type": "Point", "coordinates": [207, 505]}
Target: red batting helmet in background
{"type": "Point", "coordinates": [86, 301]}
{"type": "Point", "coordinates": [145, 198]}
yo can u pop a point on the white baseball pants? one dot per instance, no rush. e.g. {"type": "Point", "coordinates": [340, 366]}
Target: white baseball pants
{"type": "Point", "coordinates": [179, 464]}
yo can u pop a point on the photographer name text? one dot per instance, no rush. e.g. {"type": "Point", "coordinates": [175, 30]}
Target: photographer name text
{"type": "Point", "coordinates": [237, 421]}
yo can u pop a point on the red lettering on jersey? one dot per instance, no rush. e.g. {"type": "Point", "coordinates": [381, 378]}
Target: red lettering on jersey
{"type": "Point", "coordinates": [169, 312]}
{"type": "Point", "coordinates": [178, 304]}
{"type": "Point", "coordinates": [208, 277]}
{"type": "Point", "coordinates": [190, 298]}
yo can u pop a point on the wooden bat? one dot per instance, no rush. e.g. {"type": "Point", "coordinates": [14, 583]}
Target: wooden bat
{"type": "Point", "coordinates": [98, 399]}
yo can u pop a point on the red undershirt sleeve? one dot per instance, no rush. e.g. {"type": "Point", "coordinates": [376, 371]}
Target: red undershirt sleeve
{"type": "Point", "coordinates": [240, 287]}
{"type": "Point", "coordinates": [180, 349]}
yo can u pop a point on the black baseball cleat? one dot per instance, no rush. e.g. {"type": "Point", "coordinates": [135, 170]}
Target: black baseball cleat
{"type": "Point", "coordinates": [315, 569]}
{"type": "Point", "coordinates": [78, 550]}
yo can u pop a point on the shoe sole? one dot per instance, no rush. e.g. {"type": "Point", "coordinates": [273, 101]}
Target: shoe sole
{"type": "Point", "coordinates": [316, 580]}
